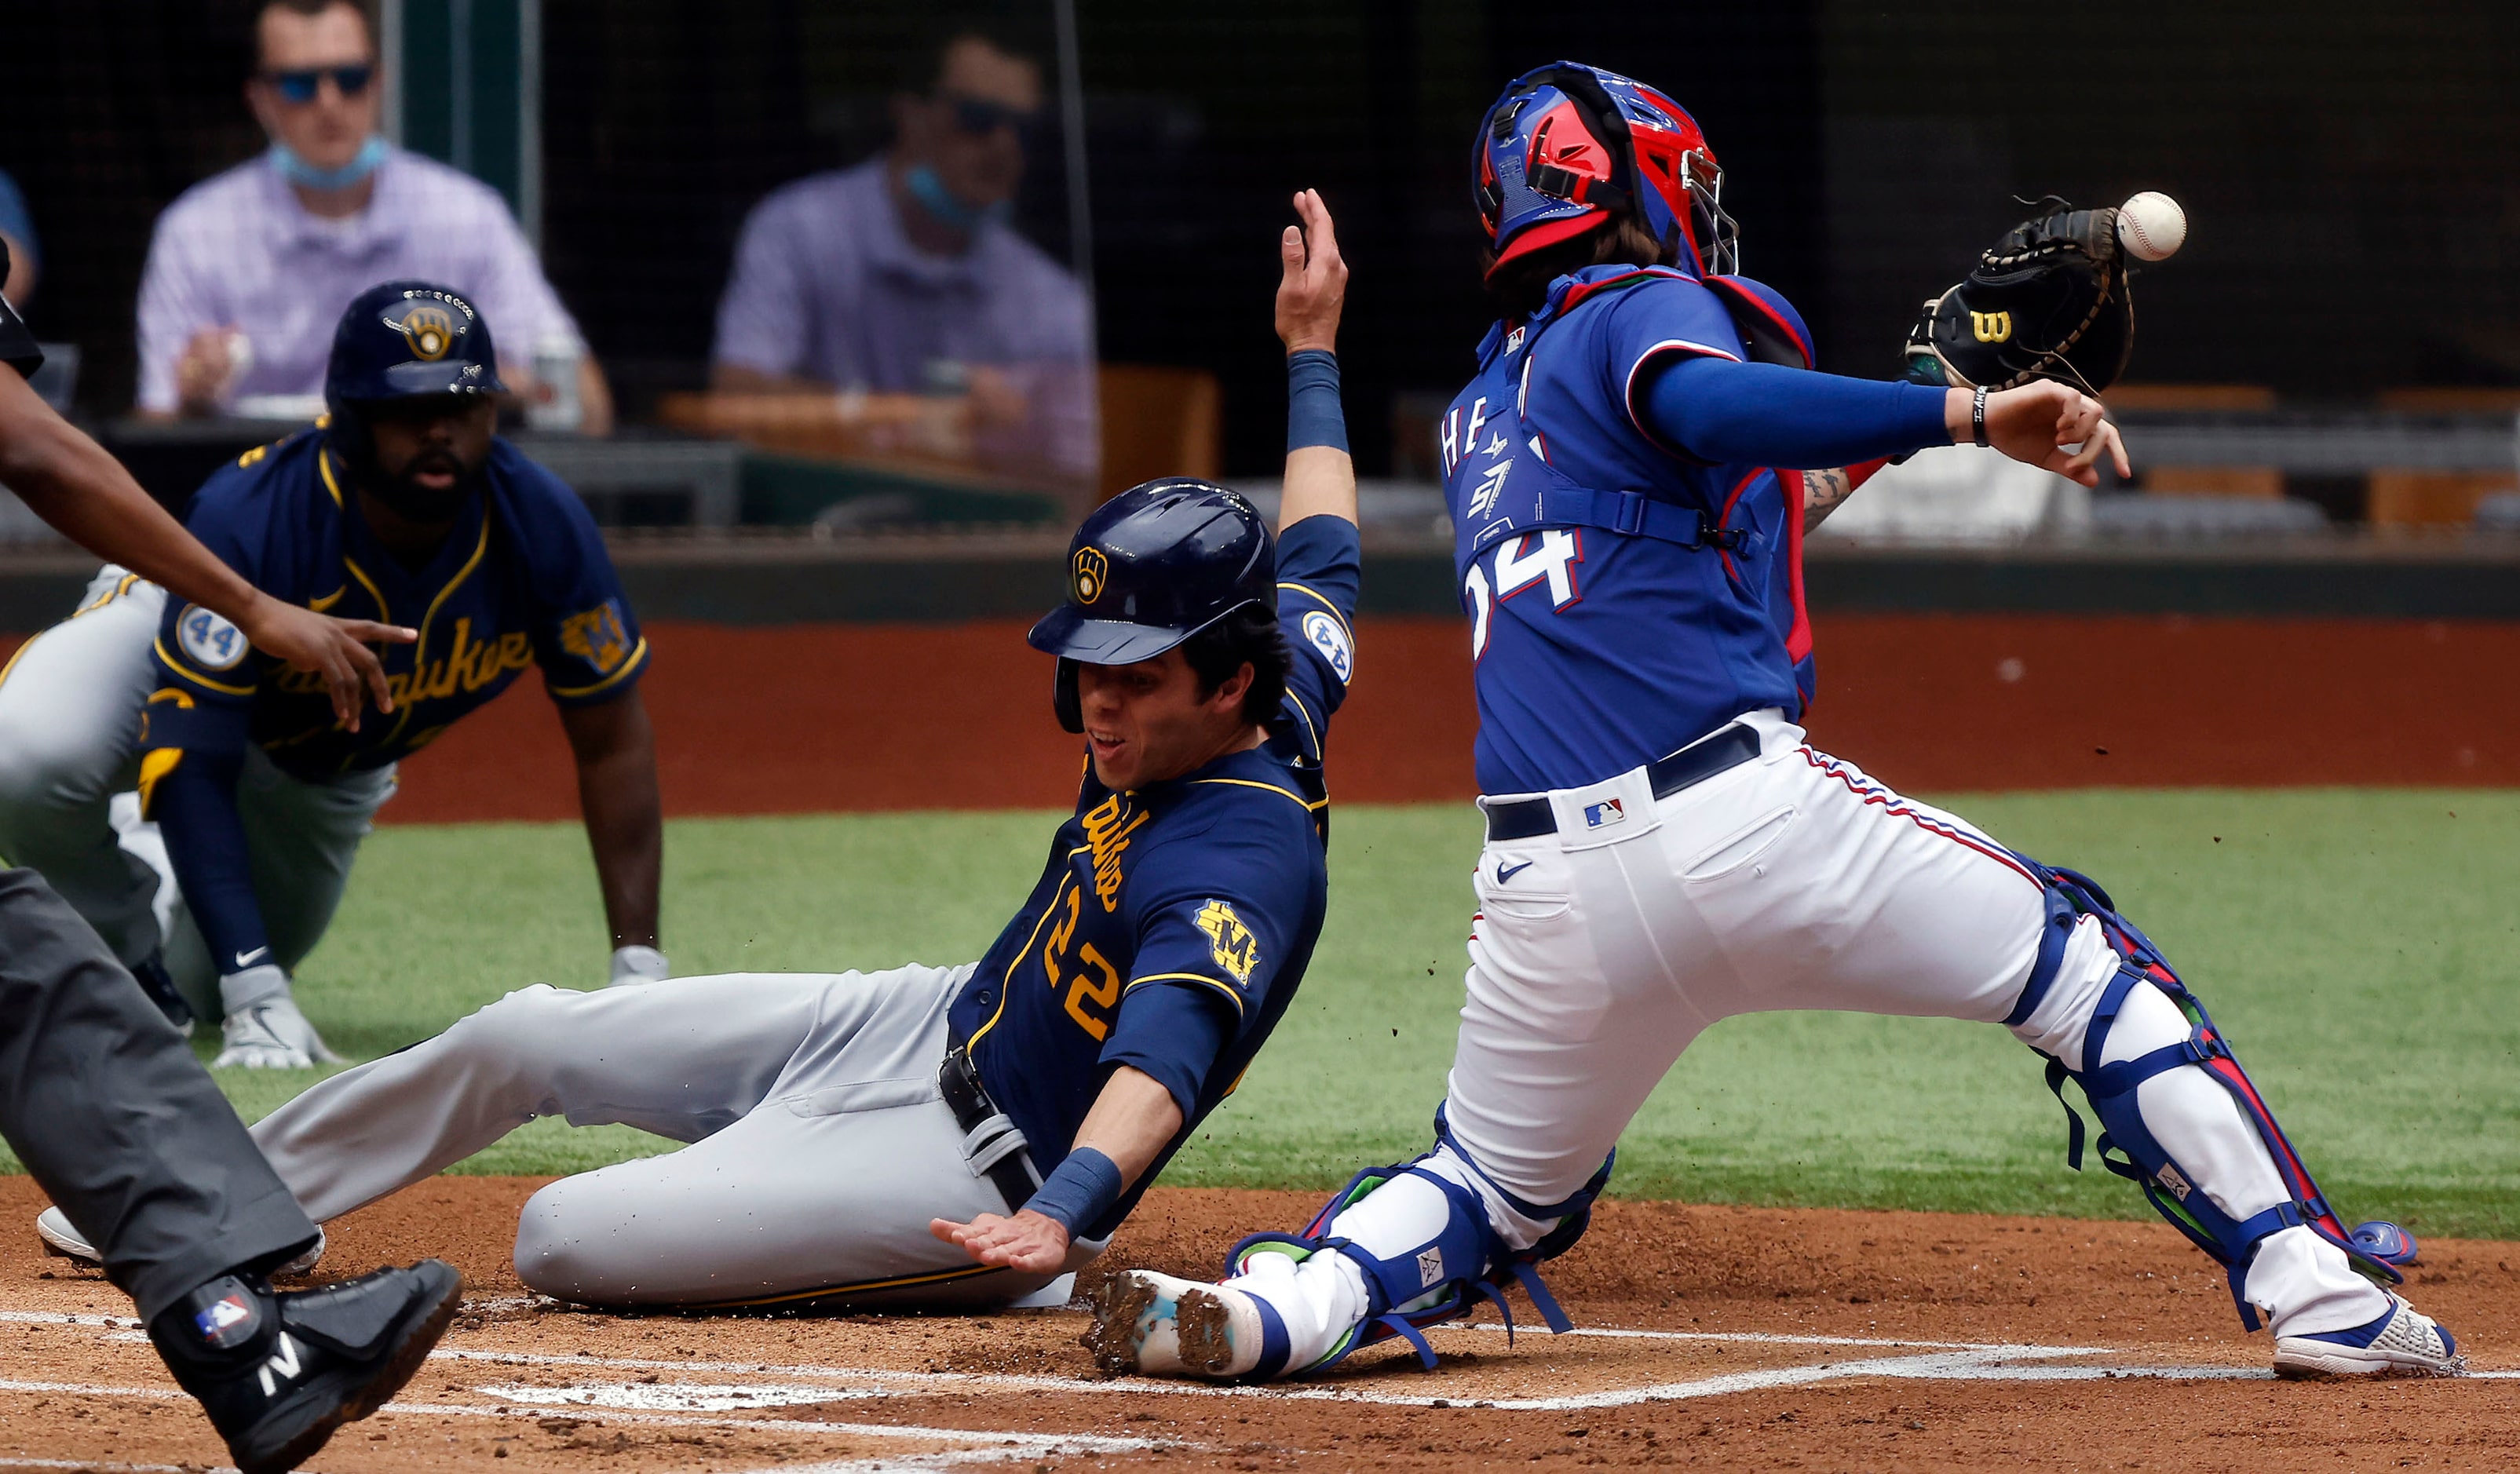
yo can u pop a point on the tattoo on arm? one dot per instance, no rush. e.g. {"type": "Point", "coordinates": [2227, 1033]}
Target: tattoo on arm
{"type": "Point", "coordinates": [1824, 492]}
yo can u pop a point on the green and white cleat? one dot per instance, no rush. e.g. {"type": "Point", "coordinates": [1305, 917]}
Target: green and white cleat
{"type": "Point", "coordinates": [1157, 1326]}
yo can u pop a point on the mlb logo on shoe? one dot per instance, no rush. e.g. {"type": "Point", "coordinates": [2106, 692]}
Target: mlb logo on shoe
{"type": "Point", "coordinates": [1602, 815]}
{"type": "Point", "coordinates": [215, 1318]}
{"type": "Point", "coordinates": [1430, 1268]}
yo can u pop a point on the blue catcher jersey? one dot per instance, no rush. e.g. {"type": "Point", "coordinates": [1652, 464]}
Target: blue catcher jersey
{"type": "Point", "coordinates": [1172, 924]}
{"type": "Point", "coordinates": [1624, 600]}
{"type": "Point", "coordinates": [522, 580]}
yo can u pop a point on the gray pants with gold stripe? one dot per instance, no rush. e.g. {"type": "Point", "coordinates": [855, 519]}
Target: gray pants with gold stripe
{"type": "Point", "coordinates": [820, 1144]}
{"type": "Point", "coordinates": [69, 726]}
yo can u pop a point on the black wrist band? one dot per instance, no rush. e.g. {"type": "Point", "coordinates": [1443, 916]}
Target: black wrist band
{"type": "Point", "coordinates": [1977, 418]}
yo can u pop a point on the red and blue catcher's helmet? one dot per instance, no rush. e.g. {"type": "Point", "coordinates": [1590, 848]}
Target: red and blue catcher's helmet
{"type": "Point", "coordinates": [1568, 147]}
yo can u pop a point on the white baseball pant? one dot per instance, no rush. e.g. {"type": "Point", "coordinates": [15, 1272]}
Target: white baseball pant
{"type": "Point", "coordinates": [1792, 881]}
{"type": "Point", "coordinates": [821, 1145]}
{"type": "Point", "coordinates": [69, 725]}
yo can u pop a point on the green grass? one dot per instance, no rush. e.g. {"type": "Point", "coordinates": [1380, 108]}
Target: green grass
{"type": "Point", "coordinates": [2358, 945]}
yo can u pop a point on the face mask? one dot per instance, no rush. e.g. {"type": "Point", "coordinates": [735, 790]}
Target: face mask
{"type": "Point", "coordinates": [298, 171]}
{"type": "Point", "coordinates": [930, 190]}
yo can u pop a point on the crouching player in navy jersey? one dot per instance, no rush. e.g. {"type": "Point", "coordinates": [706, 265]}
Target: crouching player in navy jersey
{"type": "Point", "coordinates": [960, 1137]}
{"type": "Point", "coordinates": [405, 508]}
{"type": "Point", "coordinates": [1664, 850]}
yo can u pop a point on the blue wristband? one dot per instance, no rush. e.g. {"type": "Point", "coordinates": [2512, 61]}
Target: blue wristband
{"type": "Point", "coordinates": [1079, 1191]}
{"type": "Point", "coordinates": [1313, 413]}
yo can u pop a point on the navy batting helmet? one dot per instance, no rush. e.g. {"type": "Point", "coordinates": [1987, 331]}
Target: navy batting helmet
{"type": "Point", "coordinates": [403, 340]}
{"type": "Point", "coordinates": [1148, 569]}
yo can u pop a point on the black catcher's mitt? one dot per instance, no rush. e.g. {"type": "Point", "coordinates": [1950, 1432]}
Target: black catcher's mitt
{"type": "Point", "coordinates": [2046, 302]}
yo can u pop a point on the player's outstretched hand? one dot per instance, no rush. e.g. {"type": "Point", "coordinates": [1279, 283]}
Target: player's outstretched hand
{"type": "Point", "coordinates": [2037, 422]}
{"type": "Point", "coordinates": [1030, 1242]}
{"type": "Point", "coordinates": [1311, 283]}
{"type": "Point", "coordinates": [337, 647]}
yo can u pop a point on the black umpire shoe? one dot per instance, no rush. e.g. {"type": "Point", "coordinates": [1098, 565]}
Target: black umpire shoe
{"type": "Point", "coordinates": [278, 1373]}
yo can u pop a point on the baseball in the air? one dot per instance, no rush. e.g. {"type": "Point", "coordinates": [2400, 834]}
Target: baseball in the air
{"type": "Point", "coordinates": [2152, 226]}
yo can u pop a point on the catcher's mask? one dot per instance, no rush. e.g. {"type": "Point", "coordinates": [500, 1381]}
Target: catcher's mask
{"type": "Point", "coordinates": [1569, 147]}
{"type": "Point", "coordinates": [1148, 569]}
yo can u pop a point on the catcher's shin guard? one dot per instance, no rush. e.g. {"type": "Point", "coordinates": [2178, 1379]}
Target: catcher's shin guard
{"type": "Point", "coordinates": [1444, 1277]}
{"type": "Point", "coordinates": [2129, 1149]}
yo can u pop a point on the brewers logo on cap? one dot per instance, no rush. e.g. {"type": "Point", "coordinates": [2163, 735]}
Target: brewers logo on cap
{"type": "Point", "coordinates": [1092, 571]}
{"type": "Point", "coordinates": [428, 327]}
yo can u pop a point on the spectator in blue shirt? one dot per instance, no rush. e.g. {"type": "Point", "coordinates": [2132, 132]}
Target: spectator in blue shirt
{"type": "Point", "coordinates": [901, 275]}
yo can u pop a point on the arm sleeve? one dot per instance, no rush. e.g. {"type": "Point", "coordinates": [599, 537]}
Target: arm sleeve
{"type": "Point", "coordinates": [1174, 1035]}
{"type": "Point", "coordinates": [194, 732]}
{"type": "Point", "coordinates": [762, 320]}
{"type": "Point", "coordinates": [1318, 573]}
{"type": "Point", "coordinates": [1735, 413]}
{"type": "Point", "coordinates": [194, 803]}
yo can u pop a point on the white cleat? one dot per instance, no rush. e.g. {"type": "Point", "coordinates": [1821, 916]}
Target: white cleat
{"type": "Point", "coordinates": [62, 1241]}
{"type": "Point", "coordinates": [1165, 1327]}
{"type": "Point", "coordinates": [2402, 1342]}
{"type": "Point", "coordinates": [271, 1035]}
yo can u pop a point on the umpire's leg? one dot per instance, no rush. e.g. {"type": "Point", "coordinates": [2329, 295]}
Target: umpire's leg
{"type": "Point", "coordinates": [102, 1101]}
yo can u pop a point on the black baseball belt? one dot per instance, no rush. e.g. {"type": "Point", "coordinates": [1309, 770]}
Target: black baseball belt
{"type": "Point", "coordinates": [1729, 748]}
{"type": "Point", "coordinates": [990, 1139]}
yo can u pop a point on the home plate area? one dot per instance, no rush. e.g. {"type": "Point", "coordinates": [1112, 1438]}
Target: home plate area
{"type": "Point", "coordinates": [1854, 1341]}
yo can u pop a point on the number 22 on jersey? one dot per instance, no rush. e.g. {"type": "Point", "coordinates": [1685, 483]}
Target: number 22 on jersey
{"type": "Point", "coordinates": [1518, 563]}
{"type": "Point", "coordinates": [1095, 989]}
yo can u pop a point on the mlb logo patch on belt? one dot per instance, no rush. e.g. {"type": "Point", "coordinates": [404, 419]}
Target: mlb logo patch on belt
{"type": "Point", "coordinates": [1602, 815]}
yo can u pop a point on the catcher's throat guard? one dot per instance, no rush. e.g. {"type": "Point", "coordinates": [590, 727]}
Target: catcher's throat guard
{"type": "Point", "coordinates": [2049, 301]}
{"type": "Point", "coordinates": [2129, 1149]}
{"type": "Point", "coordinates": [1441, 1278]}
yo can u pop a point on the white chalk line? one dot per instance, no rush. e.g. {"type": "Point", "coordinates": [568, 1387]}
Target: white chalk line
{"type": "Point", "coordinates": [1932, 1360]}
{"type": "Point", "coordinates": [1092, 1442]}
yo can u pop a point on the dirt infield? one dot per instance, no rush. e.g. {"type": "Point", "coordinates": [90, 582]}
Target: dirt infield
{"type": "Point", "coordinates": [1712, 1337]}
{"type": "Point", "coordinates": [844, 716]}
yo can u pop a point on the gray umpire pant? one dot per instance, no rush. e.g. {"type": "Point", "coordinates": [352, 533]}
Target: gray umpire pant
{"type": "Point", "coordinates": [820, 1143]}
{"type": "Point", "coordinates": [70, 724]}
{"type": "Point", "coordinates": [102, 1101]}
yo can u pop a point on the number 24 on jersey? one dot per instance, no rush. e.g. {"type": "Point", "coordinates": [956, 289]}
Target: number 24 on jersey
{"type": "Point", "coordinates": [1517, 563]}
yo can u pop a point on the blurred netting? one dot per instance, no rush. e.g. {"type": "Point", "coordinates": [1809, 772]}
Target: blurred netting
{"type": "Point", "coordinates": [2346, 171]}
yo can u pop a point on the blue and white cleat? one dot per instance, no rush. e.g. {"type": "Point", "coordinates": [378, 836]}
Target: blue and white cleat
{"type": "Point", "coordinates": [1161, 1326]}
{"type": "Point", "coordinates": [2402, 1341]}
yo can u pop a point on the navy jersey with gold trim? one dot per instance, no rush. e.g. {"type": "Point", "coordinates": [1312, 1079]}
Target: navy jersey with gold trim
{"type": "Point", "coordinates": [524, 580]}
{"type": "Point", "coordinates": [1172, 924]}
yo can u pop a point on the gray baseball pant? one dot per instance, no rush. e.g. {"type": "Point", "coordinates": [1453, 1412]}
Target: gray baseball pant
{"type": "Point", "coordinates": [102, 1101]}
{"type": "Point", "coordinates": [69, 725]}
{"type": "Point", "coordinates": [820, 1144]}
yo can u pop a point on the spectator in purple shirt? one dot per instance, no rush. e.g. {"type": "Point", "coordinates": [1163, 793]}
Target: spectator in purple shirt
{"type": "Point", "coordinates": [901, 275]}
{"type": "Point", "coordinates": [249, 271]}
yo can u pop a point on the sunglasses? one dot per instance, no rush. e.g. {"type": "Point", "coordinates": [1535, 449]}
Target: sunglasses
{"type": "Point", "coordinates": [981, 117]}
{"type": "Point", "coordinates": [301, 87]}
